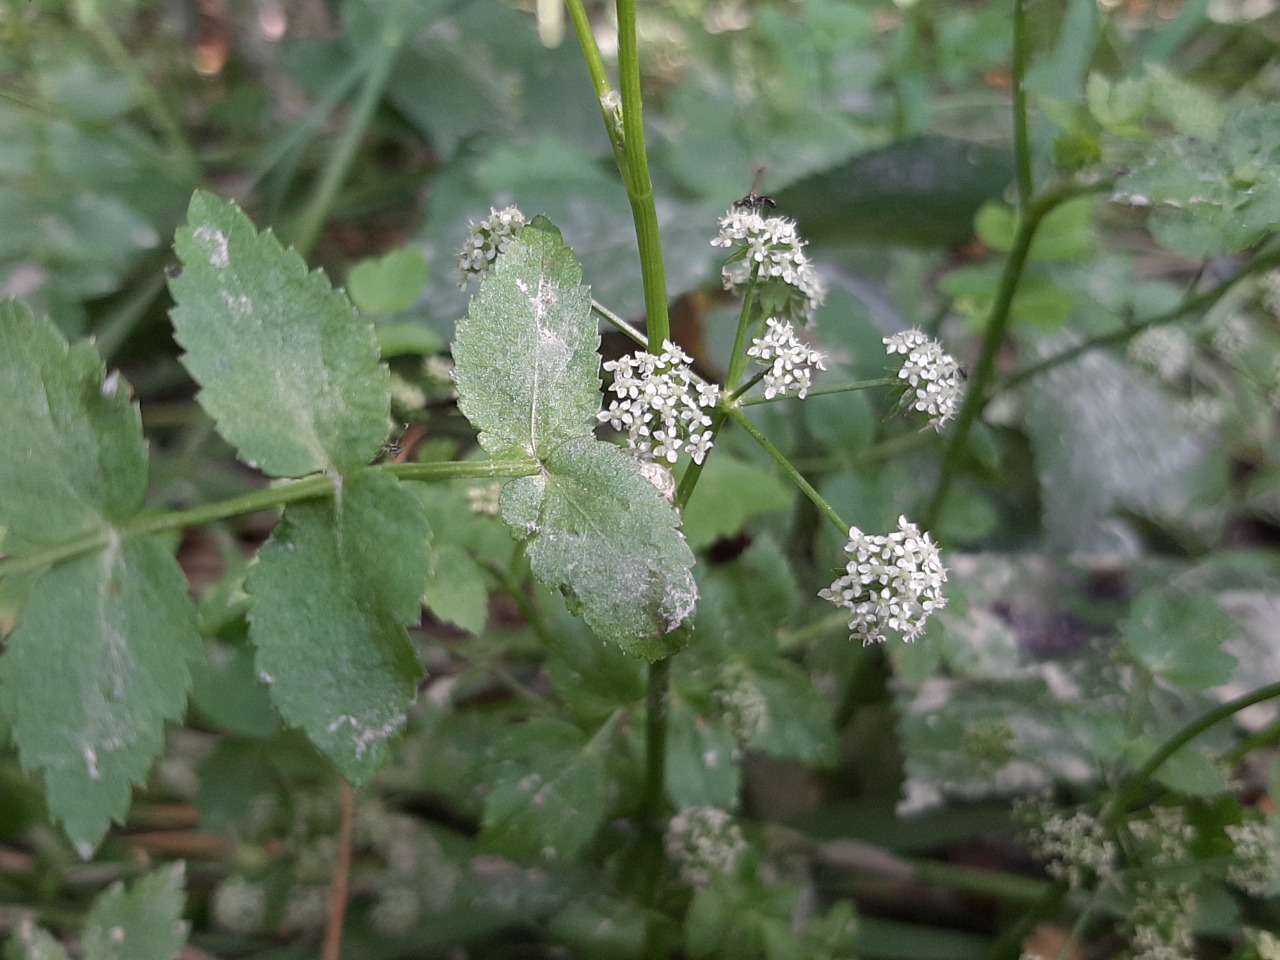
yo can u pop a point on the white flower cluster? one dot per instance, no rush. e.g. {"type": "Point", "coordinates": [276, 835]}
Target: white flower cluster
{"type": "Point", "coordinates": [933, 375]}
{"type": "Point", "coordinates": [1256, 867]}
{"type": "Point", "coordinates": [660, 405]}
{"type": "Point", "coordinates": [1075, 848]}
{"type": "Point", "coordinates": [746, 710]}
{"type": "Point", "coordinates": [487, 239]}
{"type": "Point", "coordinates": [704, 843]}
{"type": "Point", "coordinates": [772, 245]}
{"type": "Point", "coordinates": [892, 582]}
{"type": "Point", "coordinates": [790, 362]}
{"type": "Point", "coordinates": [1161, 921]}
{"type": "Point", "coordinates": [1165, 351]}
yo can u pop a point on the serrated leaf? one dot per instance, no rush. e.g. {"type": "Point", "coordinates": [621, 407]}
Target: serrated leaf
{"type": "Point", "coordinates": [143, 924]}
{"type": "Point", "coordinates": [1179, 636]}
{"type": "Point", "coordinates": [729, 493]}
{"type": "Point", "coordinates": [525, 355]}
{"type": "Point", "coordinates": [332, 591]}
{"type": "Point", "coordinates": [33, 943]}
{"type": "Point", "coordinates": [96, 667]}
{"type": "Point", "coordinates": [601, 534]}
{"type": "Point", "coordinates": [457, 589]}
{"type": "Point", "coordinates": [73, 455]}
{"type": "Point", "coordinates": [550, 799]}
{"type": "Point", "coordinates": [287, 368]}
{"type": "Point", "coordinates": [388, 283]}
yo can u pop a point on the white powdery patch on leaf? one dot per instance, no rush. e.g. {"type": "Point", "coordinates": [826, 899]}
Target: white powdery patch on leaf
{"type": "Point", "coordinates": [932, 376]}
{"type": "Point", "coordinates": [660, 405]}
{"type": "Point", "coordinates": [791, 363]}
{"type": "Point", "coordinates": [892, 582]}
{"type": "Point", "coordinates": [771, 246]}
{"type": "Point", "coordinates": [487, 239]}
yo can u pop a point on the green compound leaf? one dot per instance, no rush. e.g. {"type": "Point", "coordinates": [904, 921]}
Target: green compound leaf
{"type": "Point", "coordinates": [525, 355]}
{"type": "Point", "coordinates": [550, 797]}
{"type": "Point", "coordinates": [1214, 195]}
{"type": "Point", "coordinates": [98, 664]}
{"type": "Point", "coordinates": [332, 592]}
{"type": "Point", "coordinates": [602, 534]}
{"type": "Point", "coordinates": [74, 459]}
{"type": "Point", "coordinates": [286, 366]}
{"type": "Point", "coordinates": [1179, 636]}
{"type": "Point", "coordinates": [143, 924]}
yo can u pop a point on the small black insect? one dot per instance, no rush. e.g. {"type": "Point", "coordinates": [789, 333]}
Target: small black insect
{"type": "Point", "coordinates": [174, 272]}
{"type": "Point", "coordinates": [755, 200]}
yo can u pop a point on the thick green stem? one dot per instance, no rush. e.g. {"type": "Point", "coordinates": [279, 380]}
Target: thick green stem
{"type": "Point", "coordinates": [1123, 800]}
{"type": "Point", "coordinates": [381, 62]}
{"type": "Point", "coordinates": [639, 185]}
{"type": "Point", "coordinates": [269, 498]}
{"type": "Point", "coordinates": [655, 740]}
{"type": "Point", "coordinates": [997, 327]}
{"type": "Point", "coordinates": [1021, 136]}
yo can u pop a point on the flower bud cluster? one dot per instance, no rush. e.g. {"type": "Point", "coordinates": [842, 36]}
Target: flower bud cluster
{"type": "Point", "coordinates": [932, 375]}
{"type": "Point", "coordinates": [704, 843]}
{"type": "Point", "coordinates": [790, 362]}
{"type": "Point", "coordinates": [746, 711]}
{"type": "Point", "coordinates": [660, 405]}
{"type": "Point", "coordinates": [892, 582]}
{"type": "Point", "coordinates": [1075, 849]}
{"type": "Point", "coordinates": [487, 239]}
{"type": "Point", "coordinates": [1165, 351]}
{"type": "Point", "coordinates": [771, 248]}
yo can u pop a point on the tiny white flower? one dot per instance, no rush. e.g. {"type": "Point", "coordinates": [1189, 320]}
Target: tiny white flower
{"type": "Point", "coordinates": [790, 362]}
{"type": "Point", "coordinates": [487, 239]}
{"type": "Point", "coordinates": [933, 376]}
{"type": "Point", "coordinates": [660, 405]}
{"type": "Point", "coordinates": [892, 582]}
{"type": "Point", "coordinates": [771, 248]}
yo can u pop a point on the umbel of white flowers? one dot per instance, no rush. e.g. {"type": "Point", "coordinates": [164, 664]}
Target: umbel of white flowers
{"type": "Point", "coordinates": [790, 362]}
{"type": "Point", "coordinates": [932, 376]}
{"type": "Point", "coordinates": [770, 248]}
{"type": "Point", "coordinates": [892, 582]}
{"type": "Point", "coordinates": [660, 405]}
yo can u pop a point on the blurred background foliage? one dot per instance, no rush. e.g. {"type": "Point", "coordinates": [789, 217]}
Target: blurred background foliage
{"type": "Point", "coordinates": [1107, 504]}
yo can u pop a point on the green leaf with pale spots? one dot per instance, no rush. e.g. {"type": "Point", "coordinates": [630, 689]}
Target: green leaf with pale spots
{"type": "Point", "coordinates": [74, 460]}
{"type": "Point", "coordinates": [549, 798]}
{"type": "Point", "coordinates": [602, 534]}
{"type": "Point", "coordinates": [525, 355]}
{"type": "Point", "coordinates": [332, 592]}
{"type": "Point", "coordinates": [98, 664]}
{"type": "Point", "coordinates": [526, 370]}
{"type": "Point", "coordinates": [144, 923]}
{"type": "Point", "coordinates": [287, 368]}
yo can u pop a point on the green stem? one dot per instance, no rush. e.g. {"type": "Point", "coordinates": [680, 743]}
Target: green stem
{"type": "Point", "coordinates": [781, 459]}
{"type": "Point", "coordinates": [269, 498]}
{"type": "Point", "coordinates": [1200, 302]}
{"type": "Point", "coordinates": [1123, 800]}
{"type": "Point", "coordinates": [736, 396]}
{"type": "Point", "coordinates": [1021, 136]}
{"type": "Point", "coordinates": [655, 740]}
{"type": "Point", "coordinates": [996, 327]}
{"type": "Point", "coordinates": [821, 391]}
{"type": "Point", "coordinates": [738, 358]}
{"type": "Point", "coordinates": [381, 62]}
{"type": "Point", "coordinates": [639, 185]}
{"type": "Point", "coordinates": [620, 323]}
